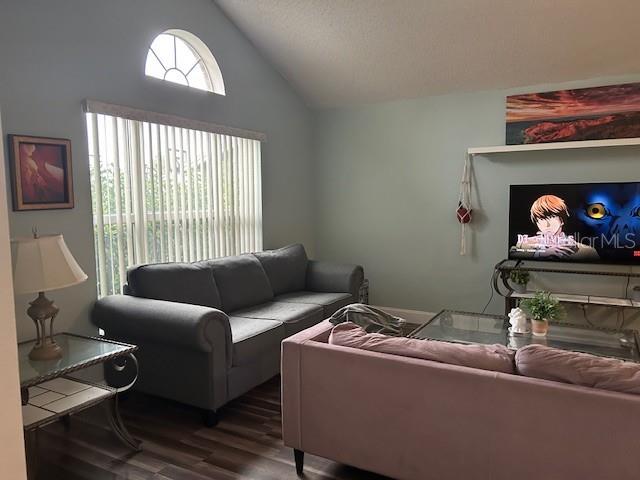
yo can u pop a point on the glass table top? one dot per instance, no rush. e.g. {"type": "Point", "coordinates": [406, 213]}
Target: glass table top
{"type": "Point", "coordinates": [404, 329]}
{"type": "Point", "coordinates": [621, 345]}
{"type": "Point", "coordinates": [77, 352]}
{"type": "Point", "coordinates": [463, 327]}
{"type": "Point", "coordinates": [467, 327]}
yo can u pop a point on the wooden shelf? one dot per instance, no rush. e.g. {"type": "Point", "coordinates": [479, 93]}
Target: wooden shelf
{"type": "Point", "coordinates": [529, 147]}
{"type": "Point", "coordinates": [585, 299]}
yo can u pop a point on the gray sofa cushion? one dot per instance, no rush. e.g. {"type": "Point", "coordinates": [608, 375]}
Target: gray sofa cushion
{"type": "Point", "coordinates": [286, 268]}
{"type": "Point", "coordinates": [330, 302]}
{"type": "Point", "coordinates": [241, 281]}
{"type": "Point", "coordinates": [175, 282]}
{"type": "Point", "coordinates": [253, 338]}
{"type": "Point", "coordinates": [295, 316]}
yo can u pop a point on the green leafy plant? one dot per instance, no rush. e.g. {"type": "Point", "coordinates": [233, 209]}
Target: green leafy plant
{"type": "Point", "coordinates": [543, 306]}
{"type": "Point", "coordinates": [519, 277]}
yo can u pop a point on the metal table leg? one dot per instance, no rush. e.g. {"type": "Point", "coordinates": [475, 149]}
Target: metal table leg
{"type": "Point", "coordinates": [31, 452]}
{"type": "Point", "coordinates": [117, 425]}
{"type": "Point", "coordinates": [121, 373]}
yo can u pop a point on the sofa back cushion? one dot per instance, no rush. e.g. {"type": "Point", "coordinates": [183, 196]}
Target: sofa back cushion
{"type": "Point", "coordinates": [241, 281]}
{"type": "Point", "coordinates": [175, 282]}
{"type": "Point", "coordinates": [497, 358]}
{"type": "Point", "coordinates": [286, 268]}
{"type": "Point", "coordinates": [540, 361]}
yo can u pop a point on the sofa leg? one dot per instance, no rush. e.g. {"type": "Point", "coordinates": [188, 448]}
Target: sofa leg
{"type": "Point", "coordinates": [210, 418]}
{"type": "Point", "coordinates": [298, 455]}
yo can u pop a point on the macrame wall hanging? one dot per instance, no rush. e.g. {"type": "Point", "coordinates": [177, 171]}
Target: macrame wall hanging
{"type": "Point", "coordinates": [463, 213]}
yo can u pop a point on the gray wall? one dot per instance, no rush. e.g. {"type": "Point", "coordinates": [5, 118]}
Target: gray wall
{"type": "Point", "coordinates": [381, 191]}
{"type": "Point", "coordinates": [387, 179]}
{"type": "Point", "coordinates": [55, 54]}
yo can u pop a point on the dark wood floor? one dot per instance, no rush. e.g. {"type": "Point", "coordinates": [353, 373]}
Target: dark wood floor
{"type": "Point", "coordinates": [246, 444]}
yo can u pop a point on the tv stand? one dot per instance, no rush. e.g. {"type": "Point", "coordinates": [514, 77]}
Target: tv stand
{"type": "Point", "coordinates": [503, 287]}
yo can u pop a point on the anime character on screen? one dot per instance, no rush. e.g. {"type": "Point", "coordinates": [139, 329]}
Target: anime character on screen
{"type": "Point", "coordinates": [611, 214]}
{"type": "Point", "coordinates": [549, 214]}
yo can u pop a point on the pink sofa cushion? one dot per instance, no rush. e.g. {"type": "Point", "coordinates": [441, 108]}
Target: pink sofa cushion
{"type": "Point", "coordinates": [496, 358]}
{"type": "Point", "coordinates": [540, 361]}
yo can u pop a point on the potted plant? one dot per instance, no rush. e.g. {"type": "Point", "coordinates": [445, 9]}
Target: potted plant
{"type": "Point", "coordinates": [519, 279]}
{"type": "Point", "coordinates": [542, 308]}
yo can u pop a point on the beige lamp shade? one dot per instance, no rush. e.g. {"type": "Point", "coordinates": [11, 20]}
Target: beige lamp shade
{"type": "Point", "coordinates": [44, 263]}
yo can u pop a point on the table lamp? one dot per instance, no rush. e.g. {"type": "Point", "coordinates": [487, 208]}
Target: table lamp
{"type": "Point", "coordinates": [43, 264]}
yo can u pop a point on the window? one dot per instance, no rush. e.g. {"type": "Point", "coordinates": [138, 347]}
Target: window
{"type": "Point", "coordinates": [166, 193]}
{"type": "Point", "coordinates": [180, 57]}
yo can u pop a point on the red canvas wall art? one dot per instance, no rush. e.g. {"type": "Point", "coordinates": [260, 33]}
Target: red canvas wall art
{"type": "Point", "coordinates": [41, 173]}
{"type": "Point", "coordinates": [596, 113]}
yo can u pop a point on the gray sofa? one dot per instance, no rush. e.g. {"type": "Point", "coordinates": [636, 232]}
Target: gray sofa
{"type": "Point", "coordinates": [210, 331]}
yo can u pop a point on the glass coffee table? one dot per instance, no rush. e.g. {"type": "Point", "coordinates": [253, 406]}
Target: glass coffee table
{"type": "Point", "coordinates": [406, 322]}
{"type": "Point", "coordinates": [468, 327]}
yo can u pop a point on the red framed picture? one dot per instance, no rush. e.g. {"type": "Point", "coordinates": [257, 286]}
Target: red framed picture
{"type": "Point", "coordinates": [41, 174]}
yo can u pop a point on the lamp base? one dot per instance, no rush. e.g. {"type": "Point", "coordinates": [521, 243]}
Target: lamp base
{"type": "Point", "coordinates": [43, 312]}
{"type": "Point", "coordinates": [47, 351]}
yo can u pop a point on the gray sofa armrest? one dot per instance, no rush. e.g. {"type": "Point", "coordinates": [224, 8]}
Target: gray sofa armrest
{"type": "Point", "coordinates": [177, 324]}
{"type": "Point", "coordinates": [334, 277]}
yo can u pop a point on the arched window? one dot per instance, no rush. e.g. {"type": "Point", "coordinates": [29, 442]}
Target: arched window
{"type": "Point", "coordinates": [180, 57]}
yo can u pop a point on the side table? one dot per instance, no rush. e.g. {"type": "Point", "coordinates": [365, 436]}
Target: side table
{"type": "Point", "coordinates": [49, 394]}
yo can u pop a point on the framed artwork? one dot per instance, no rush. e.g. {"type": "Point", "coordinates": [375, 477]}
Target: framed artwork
{"type": "Point", "coordinates": [595, 113]}
{"type": "Point", "coordinates": [41, 175]}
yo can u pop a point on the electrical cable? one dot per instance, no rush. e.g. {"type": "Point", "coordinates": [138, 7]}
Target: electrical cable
{"type": "Point", "coordinates": [626, 295]}
{"type": "Point", "coordinates": [491, 297]}
{"type": "Point", "coordinates": [586, 317]}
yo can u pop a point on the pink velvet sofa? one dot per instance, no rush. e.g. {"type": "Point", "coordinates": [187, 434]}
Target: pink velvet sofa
{"type": "Point", "coordinates": [416, 419]}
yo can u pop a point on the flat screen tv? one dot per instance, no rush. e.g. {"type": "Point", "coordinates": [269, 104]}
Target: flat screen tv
{"type": "Point", "coordinates": [581, 222]}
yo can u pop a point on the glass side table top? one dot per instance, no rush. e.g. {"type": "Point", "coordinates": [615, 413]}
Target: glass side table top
{"type": "Point", "coordinates": [467, 327]}
{"type": "Point", "coordinates": [77, 352]}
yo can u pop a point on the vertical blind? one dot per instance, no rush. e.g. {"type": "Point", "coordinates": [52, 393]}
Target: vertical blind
{"type": "Point", "coordinates": [162, 193]}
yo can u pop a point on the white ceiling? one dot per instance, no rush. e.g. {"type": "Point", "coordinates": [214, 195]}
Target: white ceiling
{"type": "Point", "coordinates": [350, 52]}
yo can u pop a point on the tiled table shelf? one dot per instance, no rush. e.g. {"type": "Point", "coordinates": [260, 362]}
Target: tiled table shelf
{"type": "Point", "coordinates": [58, 397]}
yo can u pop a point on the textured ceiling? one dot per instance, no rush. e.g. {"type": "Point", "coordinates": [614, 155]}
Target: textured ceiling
{"type": "Point", "coordinates": [350, 52]}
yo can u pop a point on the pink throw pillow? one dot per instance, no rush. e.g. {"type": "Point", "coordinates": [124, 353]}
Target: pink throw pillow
{"type": "Point", "coordinates": [540, 361]}
{"type": "Point", "coordinates": [497, 358]}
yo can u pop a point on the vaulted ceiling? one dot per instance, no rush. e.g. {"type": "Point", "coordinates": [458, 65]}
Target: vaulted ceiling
{"type": "Point", "coordinates": [351, 52]}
